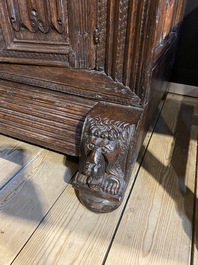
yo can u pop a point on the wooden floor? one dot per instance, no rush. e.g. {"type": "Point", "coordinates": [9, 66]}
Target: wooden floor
{"type": "Point", "coordinates": [42, 221]}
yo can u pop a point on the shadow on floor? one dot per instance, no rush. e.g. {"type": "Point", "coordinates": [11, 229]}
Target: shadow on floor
{"type": "Point", "coordinates": [175, 184]}
{"type": "Point", "coordinates": [18, 195]}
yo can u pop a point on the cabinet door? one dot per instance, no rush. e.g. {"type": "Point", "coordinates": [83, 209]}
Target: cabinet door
{"type": "Point", "coordinates": [48, 32]}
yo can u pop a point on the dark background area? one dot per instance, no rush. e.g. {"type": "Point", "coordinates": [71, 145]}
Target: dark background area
{"type": "Point", "coordinates": [185, 69]}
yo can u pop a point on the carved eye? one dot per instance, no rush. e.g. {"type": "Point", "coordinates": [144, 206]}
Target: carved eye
{"type": "Point", "coordinates": [103, 149]}
{"type": "Point", "coordinates": [97, 133]}
{"type": "Point", "coordinates": [90, 146]}
{"type": "Point", "coordinates": [104, 135]}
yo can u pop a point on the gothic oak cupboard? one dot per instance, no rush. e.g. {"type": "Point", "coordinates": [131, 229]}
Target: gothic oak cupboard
{"type": "Point", "coordinates": [84, 77]}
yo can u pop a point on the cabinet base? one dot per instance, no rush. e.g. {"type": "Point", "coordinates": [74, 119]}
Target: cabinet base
{"type": "Point", "coordinates": [108, 144]}
{"type": "Point", "coordinates": [97, 204]}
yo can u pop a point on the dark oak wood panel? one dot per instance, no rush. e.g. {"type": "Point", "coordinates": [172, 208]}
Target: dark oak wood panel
{"type": "Point", "coordinates": [85, 77]}
{"type": "Point", "coordinates": [49, 32]}
{"type": "Point", "coordinates": [125, 34]}
{"type": "Point", "coordinates": [169, 18]}
{"type": "Point", "coordinates": [90, 84]}
{"type": "Point", "coordinates": [51, 120]}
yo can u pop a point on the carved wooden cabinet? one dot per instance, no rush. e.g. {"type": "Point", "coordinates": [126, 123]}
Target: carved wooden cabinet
{"type": "Point", "coordinates": [84, 77]}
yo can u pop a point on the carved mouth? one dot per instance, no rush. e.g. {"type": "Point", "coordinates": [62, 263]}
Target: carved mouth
{"type": "Point", "coordinates": [94, 177]}
{"type": "Point", "coordinates": [92, 170]}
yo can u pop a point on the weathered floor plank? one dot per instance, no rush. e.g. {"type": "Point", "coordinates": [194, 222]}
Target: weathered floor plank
{"type": "Point", "coordinates": [195, 242]}
{"type": "Point", "coordinates": [27, 199]}
{"type": "Point", "coordinates": [14, 155]}
{"type": "Point", "coordinates": [195, 250]}
{"type": "Point", "coordinates": [70, 234]}
{"type": "Point", "coordinates": [157, 224]}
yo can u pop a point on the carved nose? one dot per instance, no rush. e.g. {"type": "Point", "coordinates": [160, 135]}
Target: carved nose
{"type": "Point", "coordinates": [95, 156]}
{"type": "Point", "coordinates": [93, 163]}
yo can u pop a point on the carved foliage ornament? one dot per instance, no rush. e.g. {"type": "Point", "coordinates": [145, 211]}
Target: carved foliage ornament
{"type": "Point", "coordinates": [36, 15]}
{"type": "Point", "coordinates": [102, 166]}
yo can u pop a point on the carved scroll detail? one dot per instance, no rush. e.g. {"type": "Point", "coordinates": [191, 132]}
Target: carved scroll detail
{"type": "Point", "coordinates": [36, 15]}
{"type": "Point", "coordinates": [112, 23]}
{"type": "Point", "coordinates": [102, 26]}
{"type": "Point", "coordinates": [122, 17]}
{"type": "Point", "coordinates": [105, 144]}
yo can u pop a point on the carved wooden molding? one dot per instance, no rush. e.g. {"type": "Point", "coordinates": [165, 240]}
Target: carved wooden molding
{"type": "Point", "coordinates": [95, 85]}
{"type": "Point", "coordinates": [96, 95]}
{"type": "Point", "coordinates": [124, 39]}
{"type": "Point", "coordinates": [36, 15]}
{"type": "Point", "coordinates": [61, 29]}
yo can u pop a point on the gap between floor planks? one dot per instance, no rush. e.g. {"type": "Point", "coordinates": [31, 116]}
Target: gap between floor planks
{"type": "Point", "coordinates": [70, 234]}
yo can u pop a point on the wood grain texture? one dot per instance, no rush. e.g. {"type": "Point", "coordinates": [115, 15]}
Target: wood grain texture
{"type": "Point", "coordinates": [125, 41]}
{"type": "Point", "coordinates": [52, 120]}
{"type": "Point", "coordinates": [169, 19]}
{"type": "Point", "coordinates": [195, 247]}
{"type": "Point", "coordinates": [87, 84]}
{"type": "Point", "coordinates": [27, 199]}
{"type": "Point", "coordinates": [157, 225]}
{"type": "Point", "coordinates": [73, 235]}
{"type": "Point", "coordinates": [82, 22]}
{"type": "Point", "coordinates": [47, 32]}
{"type": "Point", "coordinates": [14, 155]}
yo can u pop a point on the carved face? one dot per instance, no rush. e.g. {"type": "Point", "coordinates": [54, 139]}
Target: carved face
{"type": "Point", "coordinates": [104, 145]}
{"type": "Point", "coordinates": [101, 151]}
